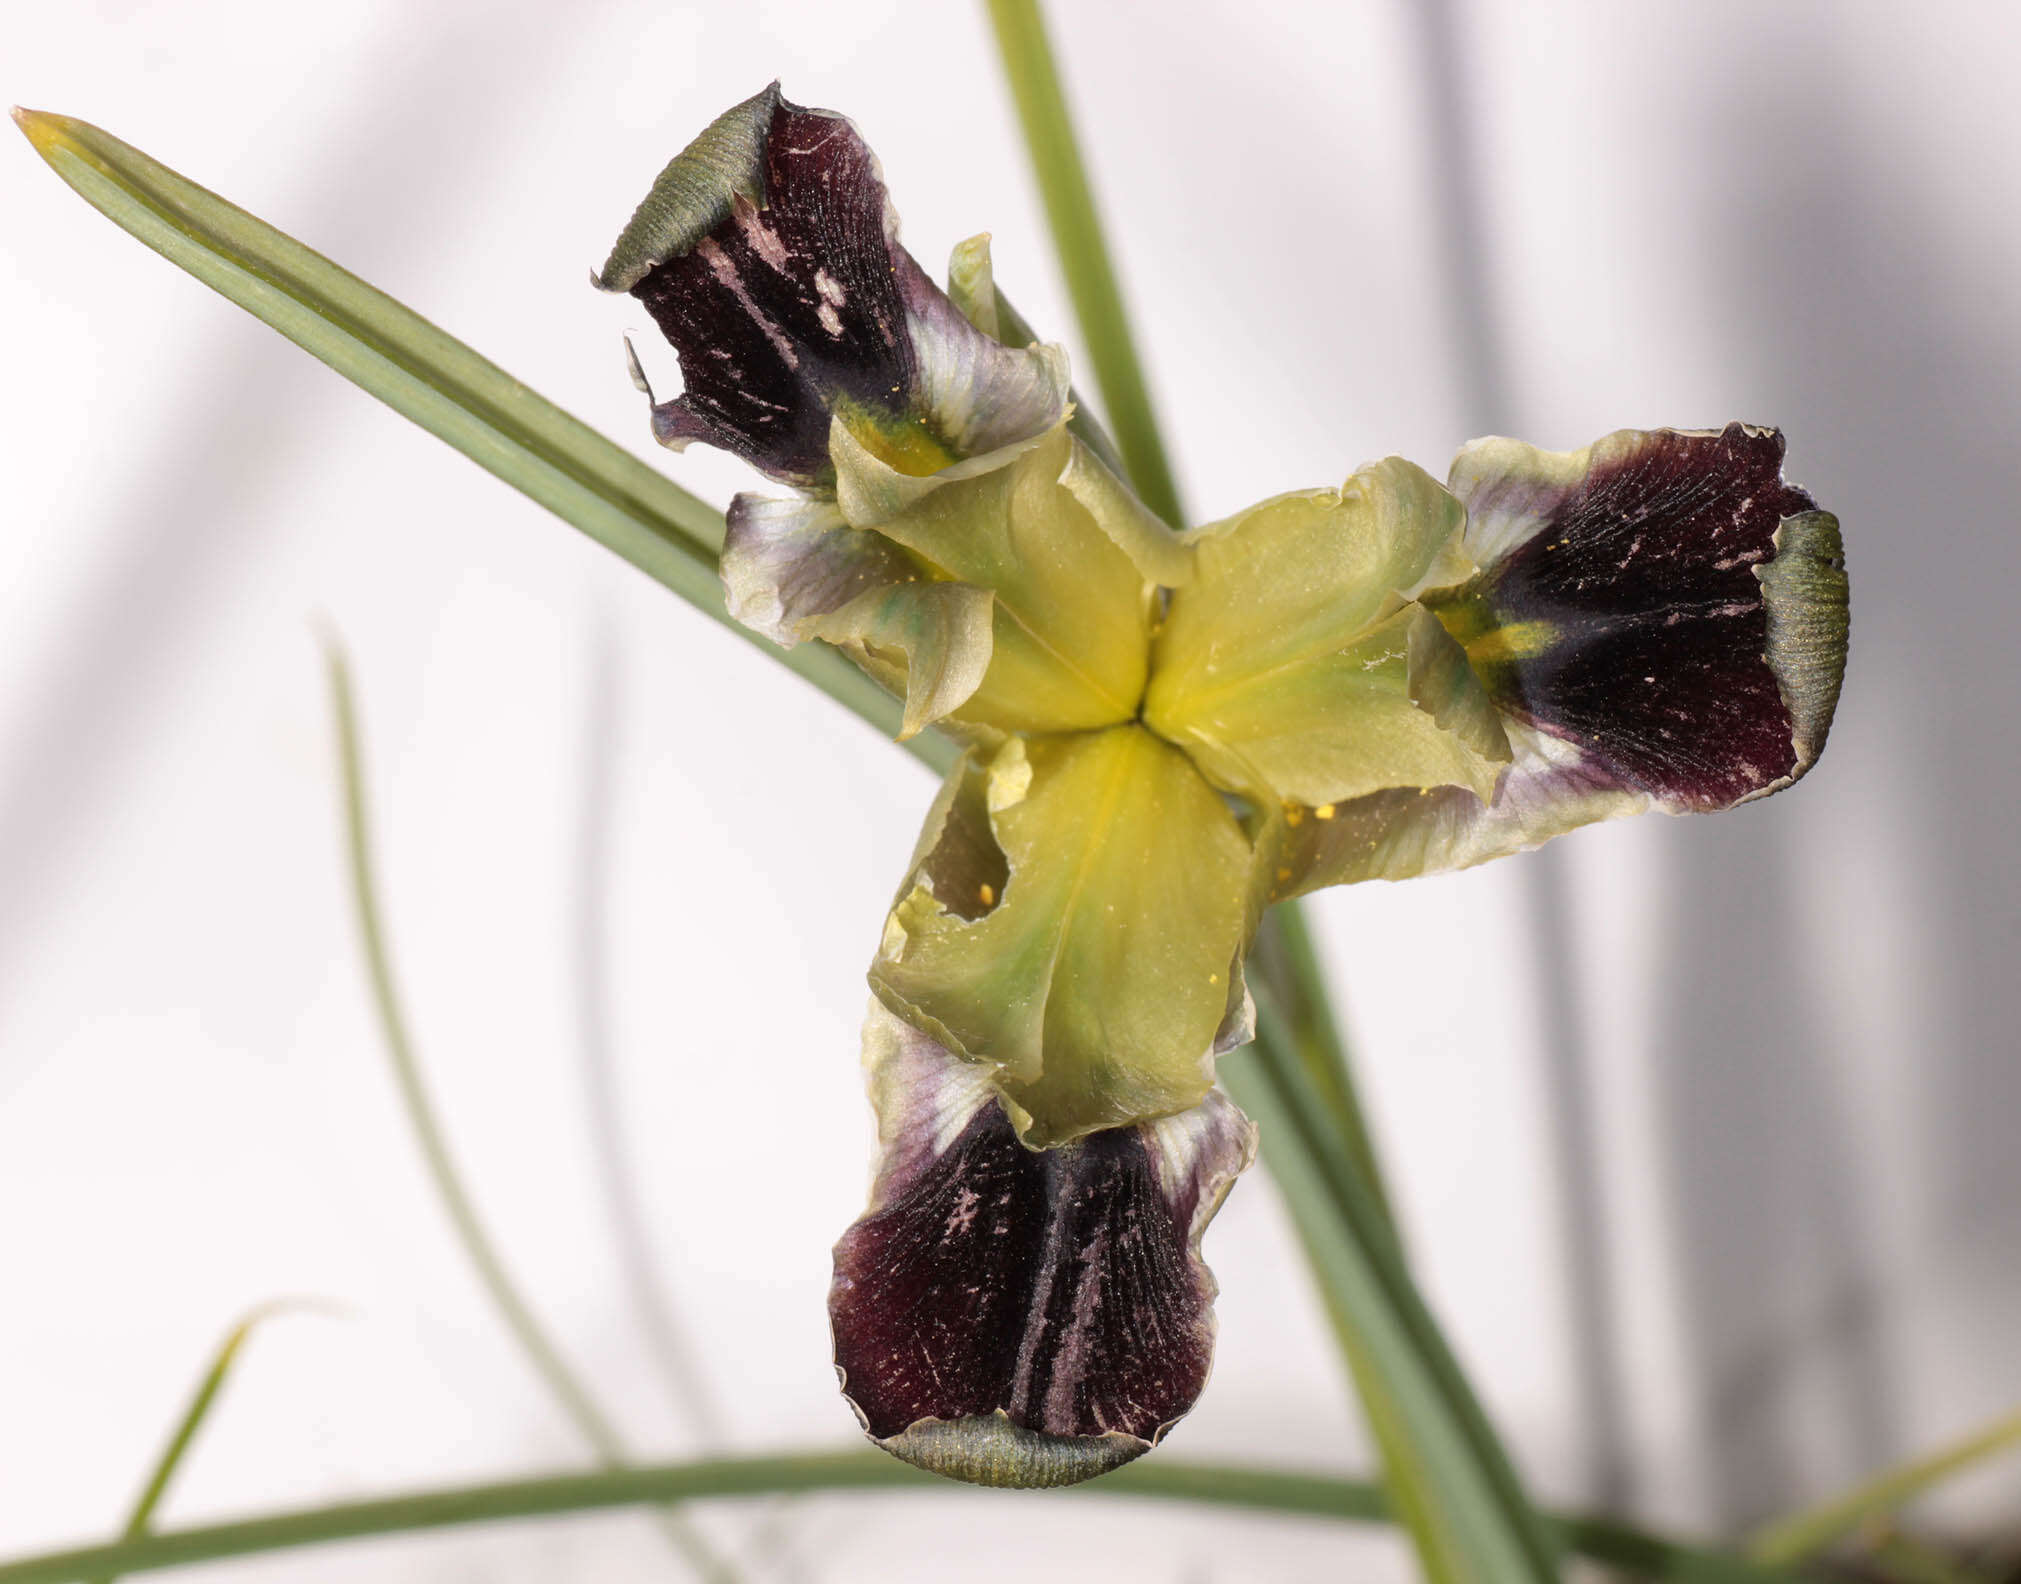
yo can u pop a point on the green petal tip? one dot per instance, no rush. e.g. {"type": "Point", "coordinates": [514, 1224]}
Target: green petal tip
{"type": "Point", "coordinates": [987, 1449]}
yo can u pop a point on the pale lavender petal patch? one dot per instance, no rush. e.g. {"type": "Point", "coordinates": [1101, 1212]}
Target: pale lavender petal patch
{"type": "Point", "coordinates": [788, 559]}
{"type": "Point", "coordinates": [982, 393]}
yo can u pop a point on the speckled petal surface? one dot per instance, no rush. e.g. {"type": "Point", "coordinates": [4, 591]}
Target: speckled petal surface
{"type": "Point", "coordinates": [1623, 604]}
{"type": "Point", "coordinates": [763, 255]}
{"type": "Point", "coordinates": [1009, 1316]}
{"type": "Point", "coordinates": [767, 254]}
{"type": "Point", "coordinates": [1661, 621]}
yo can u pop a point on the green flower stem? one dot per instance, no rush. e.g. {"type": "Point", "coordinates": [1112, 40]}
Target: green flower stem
{"type": "Point", "coordinates": [1902, 1559]}
{"type": "Point", "coordinates": [574, 1399]}
{"type": "Point", "coordinates": [443, 385]}
{"type": "Point", "coordinates": [1805, 1534]}
{"type": "Point", "coordinates": [1084, 256]}
{"type": "Point", "coordinates": [1287, 959]}
{"type": "Point", "coordinates": [1282, 1493]}
{"type": "Point", "coordinates": [1453, 1483]}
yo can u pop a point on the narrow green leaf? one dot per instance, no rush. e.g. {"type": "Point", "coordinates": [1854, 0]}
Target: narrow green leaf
{"type": "Point", "coordinates": [1803, 1535]}
{"type": "Point", "coordinates": [184, 1435]}
{"type": "Point", "coordinates": [1287, 960]}
{"type": "Point", "coordinates": [394, 354]}
{"type": "Point", "coordinates": [1084, 255]}
{"type": "Point", "coordinates": [541, 1353]}
{"type": "Point", "coordinates": [1280, 1492]}
{"type": "Point", "coordinates": [1453, 1482]}
{"type": "Point", "coordinates": [1902, 1559]}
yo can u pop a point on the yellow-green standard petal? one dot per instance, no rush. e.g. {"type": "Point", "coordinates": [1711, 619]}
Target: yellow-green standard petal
{"type": "Point", "coordinates": [1072, 618]}
{"type": "Point", "coordinates": [1294, 666]}
{"type": "Point", "coordinates": [1343, 722]}
{"type": "Point", "coordinates": [1095, 983]}
{"type": "Point", "coordinates": [1303, 572]}
{"type": "Point", "coordinates": [928, 641]}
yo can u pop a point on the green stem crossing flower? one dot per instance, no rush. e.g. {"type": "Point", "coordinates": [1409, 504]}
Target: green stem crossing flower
{"type": "Point", "coordinates": [1279, 1492]}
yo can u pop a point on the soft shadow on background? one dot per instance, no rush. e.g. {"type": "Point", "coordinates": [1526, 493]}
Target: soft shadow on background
{"type": "Point", "coordinates": [1860, 322]}
{"type": "Point", "coordinates": [219, 449]}
{"type": "Point", "coordinates": [1722, 1203]}
{"type": "Point", "coordinates": [1881, 325]}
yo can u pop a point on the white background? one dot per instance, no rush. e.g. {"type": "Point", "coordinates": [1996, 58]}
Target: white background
{"type": "Point", "coordinates": [1704, 1130]}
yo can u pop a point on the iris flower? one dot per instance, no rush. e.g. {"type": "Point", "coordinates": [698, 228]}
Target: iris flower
{"type": "Point", "coordinates": [1165, 732]}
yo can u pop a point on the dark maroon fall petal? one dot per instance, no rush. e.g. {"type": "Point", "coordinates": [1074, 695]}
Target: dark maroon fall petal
{"type": "Point", "coordinates": [1662, 622]}
{"type": "Point", "coordinates": [1645, 572]}
{"type": "Point", "coordinates": [1021, 1317]}
{"type": "Point", "coordinates": [765, 255]}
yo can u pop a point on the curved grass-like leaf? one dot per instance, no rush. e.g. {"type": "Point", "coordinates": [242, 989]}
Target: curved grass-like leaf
{"type": "Point", "coordinates": [200, 1404]}
{"type": "Point", "coordinates": [1804, 1535]}
{"type": "Point", "coordinates": [1285, 1493]}
{"type": "Point", "coordinates": [1449, 1477]}
{"type": "Point", "coordinates": [1286, 958]}
{"type": "Point", "coordinates": [392, 353]}
{"type": "Point", "coordinates": [569, 1393]}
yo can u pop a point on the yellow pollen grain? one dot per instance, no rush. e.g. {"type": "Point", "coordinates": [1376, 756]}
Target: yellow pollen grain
{"type": "Point", "coordinates": [1213, 978]}
{"type": "Point", "coordinates": [1521, 640]}
{"type": "Point", "coordinates": [987, 892]}
{"type": "Point", "coordinates": [1293, 814]}
{"type": "Point", "coordinates": [1324, 811]}
{"type": "Point", "coordinates": [1283, 875]}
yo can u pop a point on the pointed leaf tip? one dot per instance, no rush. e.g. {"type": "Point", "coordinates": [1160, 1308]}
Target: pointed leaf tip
{"type": "Point", "coordinates": [40, 127]}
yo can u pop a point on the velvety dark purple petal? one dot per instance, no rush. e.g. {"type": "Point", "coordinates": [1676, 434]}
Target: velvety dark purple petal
{"type": "Point", "coordinates": [1661, 620]}
{"type": "Point", "coordinates": [1625, 583]}
{"type": "Point", "coordinates": [767, 253]}
{"type": "Point", "coordinates": [1024, 1317]}
{"type": "Point", "coordinates": [764, 254]}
